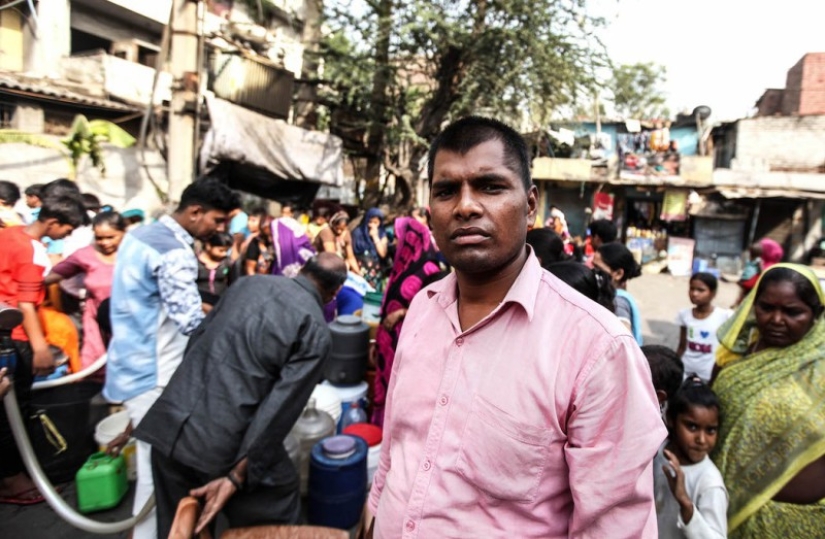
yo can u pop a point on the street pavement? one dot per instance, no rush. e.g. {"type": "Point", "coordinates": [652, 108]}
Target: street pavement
{"type": "Point", "coordinates": [659, 297]}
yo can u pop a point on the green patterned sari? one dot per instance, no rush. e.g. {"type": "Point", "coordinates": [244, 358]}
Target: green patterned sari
{"type": "Point", "coordinates": [773, 425]}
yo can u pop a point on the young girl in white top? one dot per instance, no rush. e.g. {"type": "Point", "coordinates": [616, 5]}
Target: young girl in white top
{"type": "Point", "coordinates": [691, 499]}
{"type": "Point", "coordinates": [697, 337]}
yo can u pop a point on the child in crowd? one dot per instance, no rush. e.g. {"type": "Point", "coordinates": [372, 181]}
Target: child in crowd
{"type": "Point", "coordinates": [34, 200]}
{"type": "Point", "coordinates": [591, 282]}
{"type": "Point", "coordinates": [617, 261]}
{"type": "Point", "coordinates": [691, 499]}
{"type": "Point", "coordinates": [9, 195]}
{"type": "Point", "coordinates": [697, 336]}
{"type": "Point", "coordinates": [667, 371]}
{"type": "Point", "coordinates": [213, 267]}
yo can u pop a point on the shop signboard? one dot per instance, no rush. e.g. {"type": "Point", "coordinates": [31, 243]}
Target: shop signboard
{"type": "Point", "coordinates": [674, 205]}
{"type": "Point", "coordinates": [602, 206]}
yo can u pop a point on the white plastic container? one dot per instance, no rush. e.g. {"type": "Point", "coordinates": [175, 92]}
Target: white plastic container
{"type": "Point", "coordinates": [373, 456]}
{"type": "Point", "coordinates": [327, 400]}
{"type": "Point", "coordinates": [348, 395]}
{"type": "Point", "coordinates": [108, 429]}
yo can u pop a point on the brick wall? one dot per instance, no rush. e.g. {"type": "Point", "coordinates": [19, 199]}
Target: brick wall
{"type": "Point", "coordinates": [781, 143]}
{"type": "Point", "coordinates": [770, 103]}
{"type": "Point", "coordinates": [793, 87]}
{"type": "Point", "coordinates": [812, 94]}
{"type": "Point", "coordinates": [805, 86]}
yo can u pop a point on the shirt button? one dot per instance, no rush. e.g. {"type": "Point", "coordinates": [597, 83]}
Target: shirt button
{"type": "Point", "coordinates": [443, 400]}
{"type": "Point", "coordinates": [459, 341]}
{"type": "Point", "coordinates": [427, 465]}
{"type": "Point", "coordinates": [410, 525]}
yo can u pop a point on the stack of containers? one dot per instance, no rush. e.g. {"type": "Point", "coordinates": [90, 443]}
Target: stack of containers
{"type": "Point", "coordinates": [347, 365]}
{"type": "Point", "coordinates": [313, 426]}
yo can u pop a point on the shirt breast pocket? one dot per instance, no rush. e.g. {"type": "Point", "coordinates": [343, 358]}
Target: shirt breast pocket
{"type": "Point", "coordinates": [502, 456]}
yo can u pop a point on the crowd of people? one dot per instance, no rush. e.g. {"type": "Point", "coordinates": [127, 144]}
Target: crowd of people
{"type": "Point", "coordinates": [513, 386]}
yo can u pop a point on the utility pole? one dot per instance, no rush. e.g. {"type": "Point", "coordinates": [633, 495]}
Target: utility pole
{"type": "Point", "coordinates": [185, 94]}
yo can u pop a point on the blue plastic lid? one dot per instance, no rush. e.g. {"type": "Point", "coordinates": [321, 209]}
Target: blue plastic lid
{"type": "Point", "coordinates": [339, 447]}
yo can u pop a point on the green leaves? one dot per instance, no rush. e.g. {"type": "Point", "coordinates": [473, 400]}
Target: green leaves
{"type": "Point", "coordinates": [396, 70]}
{"type": "Point", "coordinates": [84, 139]}
{"type": "Point", "coordinates": [637, 91]}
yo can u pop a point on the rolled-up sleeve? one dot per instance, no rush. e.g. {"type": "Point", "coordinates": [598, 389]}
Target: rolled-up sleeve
{"type": "Point", "coordinates": [614, 432]}
{"type": "Point", "coordinates": [177, 276]}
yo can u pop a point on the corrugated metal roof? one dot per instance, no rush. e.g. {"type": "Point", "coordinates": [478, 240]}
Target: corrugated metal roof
{"type": "Point", "coordinates": [9, 84]}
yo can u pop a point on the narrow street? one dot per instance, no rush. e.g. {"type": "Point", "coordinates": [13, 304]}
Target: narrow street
{"type": "Point", "coordinates": [661, 296]}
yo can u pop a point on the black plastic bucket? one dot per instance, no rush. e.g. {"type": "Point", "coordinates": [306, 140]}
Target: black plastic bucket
{"type": "Point", "coordinates": [74, 414]}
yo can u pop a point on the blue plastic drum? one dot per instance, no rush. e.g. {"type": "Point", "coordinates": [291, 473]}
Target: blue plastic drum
{"type": "Point", "coordinates": [337, 481]}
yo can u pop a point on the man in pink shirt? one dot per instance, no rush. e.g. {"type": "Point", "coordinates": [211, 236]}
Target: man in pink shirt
{"type": "Point", "coordinates": [516, 406]}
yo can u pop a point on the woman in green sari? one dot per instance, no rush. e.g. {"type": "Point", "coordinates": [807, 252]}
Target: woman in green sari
{"type": "Point", "coordinates": [771, 384]}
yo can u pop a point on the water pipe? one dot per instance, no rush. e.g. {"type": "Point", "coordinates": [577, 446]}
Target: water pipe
{"type": "Point", "coordinates": [57, 503]}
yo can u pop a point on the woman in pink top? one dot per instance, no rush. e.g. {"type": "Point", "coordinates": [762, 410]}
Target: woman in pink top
{"type": "Point", "coordinates": [97, 262]}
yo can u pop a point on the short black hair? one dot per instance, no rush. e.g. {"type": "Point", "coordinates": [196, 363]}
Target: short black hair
{"type": "Point", "coordinates": [67, 210]}
{"type": "Point", "coordinates": [211, 194]}
{"type": "Point", "coordinates": [708, 279]}
{"type": "Point", "coordinates": [258, 211]}
{"type": "Point", "coordinates": [619, 257]}
{"type": "Point", "coordinates": [547, 245]}
{"type": "Point", "coordinates": [329, 280]}
{"type": "Point", "coordinates": [110, 218]}
{"type": "Point", "coordinates": [60, 187]}
{"type": "Point", "coordinates": [692, 392]}
{"type": "Point", "coordinates": [219, 239]}
{"type": "Point", "coordinates": [591, 283]}
{"type": "Point", "coordinates": [465, 134]}
{"type": "Point", "coordinates": [604, 229]}
{"type": "Point", "coordinates": [805, 289]}
{"type": "Point", "coordinates": [35, 190]}
{"type": "Point", "coordinates": [666, 368]}
{"type": "Point", "coordinates": [9, 192]}
{"type": "Point", "coordinates": [90, 202]}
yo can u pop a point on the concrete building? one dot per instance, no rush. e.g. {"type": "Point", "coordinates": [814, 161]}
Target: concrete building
{"type": "Point", "coordinates": [98, 58]}
{"type": "Point", "coordinates": [773, 165]}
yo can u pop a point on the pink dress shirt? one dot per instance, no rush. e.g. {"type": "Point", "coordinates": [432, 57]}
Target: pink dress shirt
{"type": "Point", "coordinates": [539, 421]}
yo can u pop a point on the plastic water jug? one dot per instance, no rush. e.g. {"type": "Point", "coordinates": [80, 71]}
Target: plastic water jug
{"type": "Point", "coordinates": [355, 414]}
{"type": "Point", "coordinates": [293, 448]}
{"type": "Point", "coordinates": [348, 395]}
{"type": "Point", "coordinates": [313, 426]}
{"type": "Point", "coordinates": [337, 481]}
{"type": "Point", "coordinates": [101, 483]}
{"type": "Point", "coordinates": [347, 364]}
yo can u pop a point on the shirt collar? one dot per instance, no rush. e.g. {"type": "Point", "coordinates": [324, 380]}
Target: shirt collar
{"type": "Point", "coordinates": [179, 231]}
{"type": "Point", "coordinates": [523, 291]}
{"type": "Point", "coordinates": [310, 287]}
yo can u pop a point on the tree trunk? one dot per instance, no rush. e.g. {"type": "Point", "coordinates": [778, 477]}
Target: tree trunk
{"type": "Point", "coordinates": [378, 104]}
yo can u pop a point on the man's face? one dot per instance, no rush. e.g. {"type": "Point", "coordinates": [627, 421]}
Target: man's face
{"type": "Point", "coordinates": [203, 224]}
{"type": "Point", "coordinates": [57, 231]}
{"type": "Point", "coordinates": [480, 210]}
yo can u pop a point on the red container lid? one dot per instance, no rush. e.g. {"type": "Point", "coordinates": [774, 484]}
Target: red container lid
{"type": "Point", "coordinates": [371, 434]}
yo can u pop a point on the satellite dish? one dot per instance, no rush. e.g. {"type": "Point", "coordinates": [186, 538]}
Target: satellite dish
{"type": "Point", "coordinates": [702, 112]}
